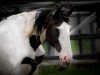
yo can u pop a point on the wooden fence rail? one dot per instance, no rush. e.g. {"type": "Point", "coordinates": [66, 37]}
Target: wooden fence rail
{"type": "Point", "coordinates": [85, 36]}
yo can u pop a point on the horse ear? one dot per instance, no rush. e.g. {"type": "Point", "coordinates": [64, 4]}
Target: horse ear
{"type": "Point", "coordinates": [68, 12]}
{"type": "Point", "coordinates": [57, 12]}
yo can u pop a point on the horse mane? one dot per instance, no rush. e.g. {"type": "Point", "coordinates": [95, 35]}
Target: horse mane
{"type": "Point", "coordinates": [43, 16]}
{"type": "Point", "coordinates": [41, 19]}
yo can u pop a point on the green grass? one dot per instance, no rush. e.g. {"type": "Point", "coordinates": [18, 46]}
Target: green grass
{"type": "Point", "coordinates": [50, 70]}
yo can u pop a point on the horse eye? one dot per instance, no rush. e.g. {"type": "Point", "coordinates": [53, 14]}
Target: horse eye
{"type": "Point", "coordinates": [57, 32]}
{"type": "Point", "coordinates": [55, 24]}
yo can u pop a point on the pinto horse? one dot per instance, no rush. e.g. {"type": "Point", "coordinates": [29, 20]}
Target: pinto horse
{"type": "Point", "coordinates": [15, 48]}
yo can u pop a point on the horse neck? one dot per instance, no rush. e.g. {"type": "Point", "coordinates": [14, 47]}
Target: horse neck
{"type": "Point", "coordinates": [30, 16]}
{"type": "Point", "coordinates": [24, 22]}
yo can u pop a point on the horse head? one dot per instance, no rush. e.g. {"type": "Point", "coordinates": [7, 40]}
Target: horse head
{"type": "Point", "coordinates": [53, 25]}
{"type": "Point", "coordinates": [58, 36]}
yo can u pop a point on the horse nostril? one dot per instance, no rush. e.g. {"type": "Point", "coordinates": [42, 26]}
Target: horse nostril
{"type": "Point", "coordinates": [66, 63]}
{"type": "Point", "coordinates": [65, 58]}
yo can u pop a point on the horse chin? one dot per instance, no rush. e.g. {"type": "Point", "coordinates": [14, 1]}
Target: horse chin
{"type": "Point", "coordinates": [64, 65]}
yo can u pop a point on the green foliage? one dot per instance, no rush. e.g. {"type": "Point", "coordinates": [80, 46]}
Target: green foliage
{"type": "Point", "coordinates": [75, 46]}
{"type": "Point", "coordinates": [86, 45]}
{"type": "Point", "coordinates": [46, 47]}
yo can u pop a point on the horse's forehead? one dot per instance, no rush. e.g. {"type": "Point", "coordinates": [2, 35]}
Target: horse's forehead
{"type": "Point", "coordinates": [64, 25]}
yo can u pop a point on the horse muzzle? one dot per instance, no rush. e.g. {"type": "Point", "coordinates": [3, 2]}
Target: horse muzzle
{"type": "Point", "coordinates": [65, 60]}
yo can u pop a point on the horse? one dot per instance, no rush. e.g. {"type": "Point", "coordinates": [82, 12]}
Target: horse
{"type": "Point", "coordinates": [16, 30]}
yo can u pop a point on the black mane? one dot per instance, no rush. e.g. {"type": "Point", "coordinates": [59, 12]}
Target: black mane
{"type": "Point", "coordinates": [41, 19]}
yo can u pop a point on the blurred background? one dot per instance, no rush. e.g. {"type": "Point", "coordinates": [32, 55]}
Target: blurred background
{"type": "Point", "coordinates": [85, 34]}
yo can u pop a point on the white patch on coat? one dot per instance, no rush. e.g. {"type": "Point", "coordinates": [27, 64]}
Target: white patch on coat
{"type": "Point", "coordinates": [64, 39]}
{"type": "Point", "coordinates": [14, 42]}
{"type": "Point", "coordinates": [39, 51]}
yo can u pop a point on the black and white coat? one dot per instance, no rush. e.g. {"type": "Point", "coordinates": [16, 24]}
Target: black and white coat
{"type": "Point", "coordinates": [15, 35]}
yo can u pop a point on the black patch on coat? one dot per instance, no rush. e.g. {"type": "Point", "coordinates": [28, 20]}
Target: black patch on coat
{"type": "Point", "coordinates": [31, 62]}
{"type": "Point", "coordinates": [39, 59]}
{"type": "Point", "coordinates": [52, 36]}
{"type": "Point", "coordinates": [35, 41]}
